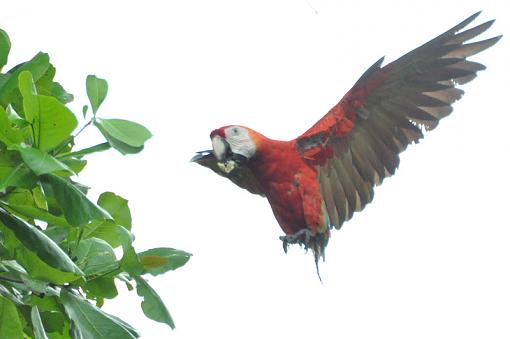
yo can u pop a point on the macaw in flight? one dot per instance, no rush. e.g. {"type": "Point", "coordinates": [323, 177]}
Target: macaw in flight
{"type": "Point", "coordinates": [316, 182]}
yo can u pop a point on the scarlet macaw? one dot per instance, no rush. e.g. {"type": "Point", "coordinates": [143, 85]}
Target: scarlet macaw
{"type": "Point", "coordinates": [318, 180]}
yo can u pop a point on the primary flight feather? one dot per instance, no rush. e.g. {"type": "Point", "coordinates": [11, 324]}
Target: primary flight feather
{"type": "Point", "coordinates": [317, 181]}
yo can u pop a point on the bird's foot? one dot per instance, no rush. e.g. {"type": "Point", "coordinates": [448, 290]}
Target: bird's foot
{"type": "Point", "coordinates": [316, 241]}
{"type": "Point", "coordinates": [301, 237]}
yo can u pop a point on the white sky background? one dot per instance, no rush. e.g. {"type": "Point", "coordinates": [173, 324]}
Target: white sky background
{"type": "Point", "coordinates": [428, 258]}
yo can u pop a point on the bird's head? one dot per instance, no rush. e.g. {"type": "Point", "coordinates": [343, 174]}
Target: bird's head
{"type": "Point", "coordinates": [233, 146]}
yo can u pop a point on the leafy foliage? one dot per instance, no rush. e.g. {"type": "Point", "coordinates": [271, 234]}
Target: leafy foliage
{"type": "Point", "coordinates": [57, 247]}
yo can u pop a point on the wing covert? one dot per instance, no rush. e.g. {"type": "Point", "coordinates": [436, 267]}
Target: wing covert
{"type": "Point", "coordinates": [357, 143]}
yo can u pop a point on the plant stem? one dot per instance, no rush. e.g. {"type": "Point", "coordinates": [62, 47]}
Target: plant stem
{"type": "Point", "coordinates": [11, 280]}
{"type": "Point", "coordinates": [71, 138]}
{"type": "Point", "coordinates": [7, 192]}
{"type": "Point", "coordinates": [16, 281]}
{"type": "Point", "coordinates": [80, 235]}
{"type": "Point", "coordinates": [92, 277]}
{"type": "Point", "coordinates": [84, 126]}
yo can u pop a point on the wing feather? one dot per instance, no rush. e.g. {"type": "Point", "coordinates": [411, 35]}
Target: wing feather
{"type": "Point", "coordinates": [466, 50]}
{"type": "Point", "coordinates": [328, 197]}
{"type": "Point", "coordinates": [357, 143]}
{"type": "Point", "coordinates": [348, 186]}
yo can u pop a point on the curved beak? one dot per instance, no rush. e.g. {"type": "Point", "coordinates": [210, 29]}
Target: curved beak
{"type": "Point", "coordinates": [227, 160]}
{"type": "Point", "coordinates": [238, 158]}
{"type": "Point", "coordinates": [220, 148]}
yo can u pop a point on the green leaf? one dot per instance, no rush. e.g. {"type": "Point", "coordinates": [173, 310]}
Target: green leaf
{"type": "Point", "coordinates": [31, 263]}
{"type": "Point", "coordinates": [130, 262]}
{"type": "Point", "coordinates": [19, 196]}
{"type": "Point", "coordinates": [4, 252]}
{"type": "Point", "coordinates": [38, 242]}
{"type": "Point", "coordinates": [122, 147]}
{"type": "Point", "coordinates": [13, 171]}
{"type": "Point", "coordinates": [10, 324]}
{"type": "Point", "coordinates": [60, 93]}
{"type": "Point", "coordinates": [54, 321]}
{"type": "Point", "coordinates": [96, 91]}
{"type": "Point", "coordinates": [92, 322]}
{"type": "Point", "coordinates": [5, 47]}
{"type": "Point", "coordinates": [126, 278]}
{"type": "Point", "coordinates": [37, 213]}
{"type": "Point", "coordinates": [45, 303]}
{"type": "Point", "coordinates": [84, 110]}
{"type": "Point", "coordinates": [117, 207]}
{"type": "Point", "coordinates": [46, 86]}
{"type": "Point", "coordinates": [39, 197]}
{"type": "Point", "coordinates": [160, 260]}
{"type": "Point", "coordinates": [38, 269]}
{"type": "Point", "coordinates": [109, 231]}
{"type": "Point", "coordinates": [56, 123]}
{"type": "Point", "coordinates": [38, 66]}
{"type": "Point", "coordinates": [102, 287]}
{"type": "Point", "coordinates": [40, 162]}
{"type": "Point", "coordinates": [4, 292]}
{"type": "Point", "coordinates": [152, 305]}
{"type": "Point", "coordinates": [14, 118]}
{"type": "Point", "coordinates": [29, 94]}
{"type": "Point", "coordinates": [95, 256]}
{"type": "Point", "coordinates": [19, 176]}
{"type": "Point", "coordinates": [34, 285]}
{"type": "Point", "coordinates": [125, 131]}
{"type": "Point", "coordinates": [8, 134]}
{"type": "Point", "coordinates": [76, 165]}
{"type": "Point", "coordinates": [77, 208]}
{"type": "Point", "coordinates": [37, 324]}
{"type": "Point", "coordinates": [58, 234]}
{"type": "Point", "coordinates": [13, 267]}
{"type": "Point", "coordinates": [89, 150]}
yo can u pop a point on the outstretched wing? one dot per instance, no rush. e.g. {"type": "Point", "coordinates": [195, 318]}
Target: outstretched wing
{"type": "Point", "coordinates": [357, 143]}
{"type": "Point", "coordinates": [242, 177]}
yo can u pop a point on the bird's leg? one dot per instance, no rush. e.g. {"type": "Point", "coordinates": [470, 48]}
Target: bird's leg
{"type": "Point", "coordinates": [310, 240]}
{"type": "Point", "coordinates": [301, 237]}
{"type": "Point", "coordinates": [284, 243]}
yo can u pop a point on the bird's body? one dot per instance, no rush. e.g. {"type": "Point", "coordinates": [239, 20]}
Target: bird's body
{"type": "Point", "coordinates": [318, 180]}
{"type": "Point", "coordinates": [284, 177]}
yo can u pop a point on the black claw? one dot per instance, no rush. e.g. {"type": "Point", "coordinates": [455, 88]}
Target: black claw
{"type": "Point", "coordinates": [317, 270]}
{"type": "Point", "coordinates": [310, 240]}
{"type": "Point", "coordinates": [284, 243]}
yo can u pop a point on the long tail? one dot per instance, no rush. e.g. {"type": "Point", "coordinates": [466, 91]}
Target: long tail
{"type": "Point", "coordinates": [318, 245]}
{"type": "Point", "coordinates": [315, 241]}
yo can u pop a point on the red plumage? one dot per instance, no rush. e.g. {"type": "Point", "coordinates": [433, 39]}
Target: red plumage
{"type": "Point", "coordinates": [318, 180]}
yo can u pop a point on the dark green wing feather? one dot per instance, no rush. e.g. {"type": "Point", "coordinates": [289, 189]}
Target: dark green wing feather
{"type": "Point", "coordinates": [388, 108]}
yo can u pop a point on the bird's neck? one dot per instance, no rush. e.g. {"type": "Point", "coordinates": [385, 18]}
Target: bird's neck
{"type": "Point", "coordinates": [275, 160]}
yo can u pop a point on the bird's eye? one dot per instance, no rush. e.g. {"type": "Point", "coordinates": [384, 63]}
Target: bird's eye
{"type": "Point", "coordinates": [235, 130]}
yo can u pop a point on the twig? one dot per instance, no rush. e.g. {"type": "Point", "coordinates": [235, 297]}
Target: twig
{"type": "Point", "coordinates": [80, 235]}
{"type": "Point", "coordinates": [81, 130]}
{"type": "Point", "coordinates": [71, 138]}
{"type": "Point", "coordinates": [7, 191]}
{"type": "Point", "coordinates": [9, 279]}
{"type": "Point", "coordinates": [21, 282]}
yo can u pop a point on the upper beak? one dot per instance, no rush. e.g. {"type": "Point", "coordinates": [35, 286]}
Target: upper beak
{"type": "Point", "coordinates": [200, 155]}
{"type": "Point", "coordinates": [238, 158]}
{"type": "Point", "coordinates": [220, 148]}
{"type": "Point", "coordinates": [223, 153]}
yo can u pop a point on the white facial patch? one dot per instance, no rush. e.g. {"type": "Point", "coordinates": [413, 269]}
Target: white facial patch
{"type": "Point", "coordinates": [240, 141]}
{"type": "Point", "coordinates": [219, 147]}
